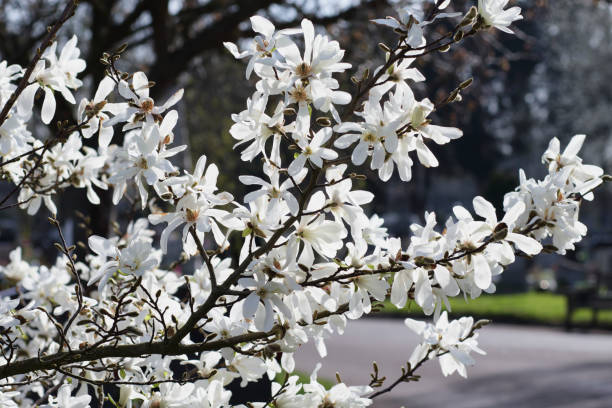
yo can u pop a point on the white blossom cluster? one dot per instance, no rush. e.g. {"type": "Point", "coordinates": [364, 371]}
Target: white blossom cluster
{"type": "Point", "coordinates": [310, 257]}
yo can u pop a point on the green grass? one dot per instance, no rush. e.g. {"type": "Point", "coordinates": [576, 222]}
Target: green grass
{"type": "Point", "coordinates": [534, 307]}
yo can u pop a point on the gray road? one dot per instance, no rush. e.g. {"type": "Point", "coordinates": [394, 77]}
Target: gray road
{"type": "Point", "coordinates": [524, 367]}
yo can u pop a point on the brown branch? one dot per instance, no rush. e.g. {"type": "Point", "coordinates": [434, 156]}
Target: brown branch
{"type": "Point", "coordinates": [60, 359]}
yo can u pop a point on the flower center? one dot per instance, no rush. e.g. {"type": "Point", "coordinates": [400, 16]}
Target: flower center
{"type": "Point", "coordinates": [192, 215]}
{"type": "Point", "coordinates": [303, 70]}
{"type": "Point", "coordinates": [147, 105]}
{"type": "Point", "coordinates": [299, 94]}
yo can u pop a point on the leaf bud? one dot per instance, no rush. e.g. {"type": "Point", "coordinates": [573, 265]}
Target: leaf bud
{"type": "Point", "coordinates": [466, 83]}
{"type": "Point", "coordinates": [549, 249]}
{"type": "Point", "coordinates": [323, 121]}
{"type": "Point", "coordinates": [469, 17]}
{"type": "Point", "coordinates": [366, 74]}
{"type": "Point", "coordinates": [121, 49]}
{"type": "Point", "coordinates": [384, 47]}
{"type": "Point", "coordinates": [423, 261]}
{"type": "Point", "coordinates": [500, 232]}
{"type": "Point", "coordinates": [481, 323]}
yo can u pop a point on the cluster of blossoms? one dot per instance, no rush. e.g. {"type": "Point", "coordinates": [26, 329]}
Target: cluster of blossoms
{"type": "Point", "coordinates": [310, 259]}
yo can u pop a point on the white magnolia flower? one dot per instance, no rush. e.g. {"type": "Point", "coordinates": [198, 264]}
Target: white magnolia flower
{"type": "Point", "coordinates": [135, 259]}
{"type": "Point", "coordinates": [262, 300]}
{"type": "Point", "coordinates": [144, 159]}
{"type": "Point", "coordinates": [452, 342]}
{"type": "Point", "coordinates": [494, 15]}
{"type": "Point", "coordinates": [313, 151]}
{"type": "Point", "coordinates": [95, 113]}
{"type": "Point", "coordinates": [8, 74]}
{"type": "Point", "coordinates": [254, 126]}
{"type": "Point", "coordinates": [193, 211]}
{"type": "Point", "coordinates": [321, 59]}
{"type": "Point", "coordinates": [171, 395]}
{"type": "Point", "coordinates": [586, 177]}
{"type": "Point", "coordinates": [7, 398]}
{"type": "Point", "coordinates": [68, 65]}
{"type": "Point", "coordinates": [58, 76]}
{"type": "Point", "coordinates": [141, 106]}
{"type": "Point", "coordinates": [397, 74]}
{"type": "Point", "coordinates": [344, 202]}
{"type": "Point", "coordinates": [318, 234]}
{"type": "Point", "coordinates": [340, 395]}
{"type": "Point", "coordinates": [6, 308]}
{"type": "Point", "coordinates": [275, 191]}
{"type": "Point", "coordinates": [65, 399]}
{"type": "Point", "coordinates": [376, 134]}
{"type": "Point", "coordinates": [263, 46]}
{"type": "Point", "coordinates": [412, 21]}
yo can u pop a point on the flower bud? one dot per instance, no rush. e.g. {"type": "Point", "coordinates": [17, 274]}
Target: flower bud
{"type": "Point", "coordinates": [384, 47]}
{"type": "Point", "coordinates": [466, 83]}
{"type": "Point", "coordinates": [469, 17]}
{"type": "Point", "coordinates": [323, 121]}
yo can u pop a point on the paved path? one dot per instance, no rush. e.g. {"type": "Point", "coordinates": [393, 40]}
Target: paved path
{"type": "Point", "coordinates": [524, 367]}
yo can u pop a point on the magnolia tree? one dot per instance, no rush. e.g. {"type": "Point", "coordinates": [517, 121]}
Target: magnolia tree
{"type": "Point", "coordinates": [310, 259]}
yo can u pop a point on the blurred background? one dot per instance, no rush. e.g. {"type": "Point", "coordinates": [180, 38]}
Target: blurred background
{"type": "Point", "coordinates": [553, 78]}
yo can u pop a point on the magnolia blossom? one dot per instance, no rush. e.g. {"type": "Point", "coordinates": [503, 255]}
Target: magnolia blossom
{"type": "Point", "coordinates": [312, 151]}
{"type": "Point", "coordinates": [195, 207]}
{"type": "Point", "coordinates": [275, 191]}
{"type": "Point", "coordinates": [266, 293]}
{"type": "Point", "coordinates": [140, 104]}
{"type": "Point", "coordinates": [452, 342]}
{"type": "Point", "coordinates": [53, 74]}
{"type": "Point", "coordinates": [264, 45]}
{"type": "Point", "coordinates": [255, 126]}
{"type": "Point", "coordinates": [397, 74]}
{"type": "Point", "coordinates": [66, 400]}
{"type": "Point", "coordinates": [494, 15]}
{"type": "Point", "coordinates": [412, 21]}
{"type": "Point", "coordinates": [145, 159]}
{"type": "Point", "coordinates": [8, 74]}
{"type": "Point", "coordinates": [96, 111]}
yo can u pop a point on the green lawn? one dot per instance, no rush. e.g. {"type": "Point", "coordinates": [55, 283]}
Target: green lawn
{"type": "Point", "coordinates": [546, 308]}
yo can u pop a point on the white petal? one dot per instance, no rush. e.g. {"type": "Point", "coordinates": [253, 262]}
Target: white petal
{"type": "Point", "coordinates": [526, 244]}
{"type": "Point", "coordinates": [249, 307]}
{"type": "Point", "coordinates": [485, 209]}
{"type": "Point", "coordinates": [482, 271]}
{"type": "Point", "coordinates": [26, 99]}
{"type": "Point", "coordinates": [48, 108]}
{"type": "Point", "coordinates": [574, 146]}
{"type": "Point", "coordinates": [263, 26]}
